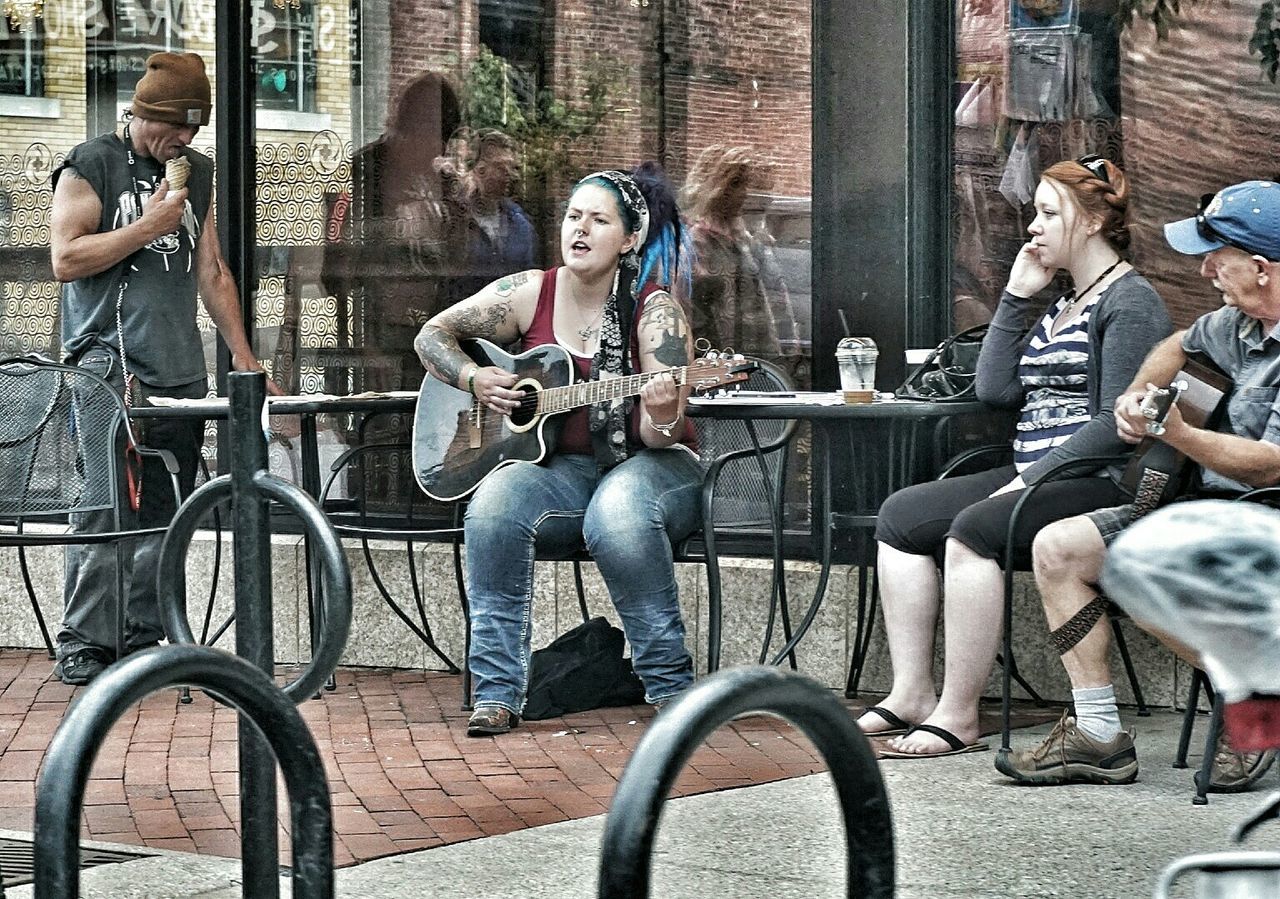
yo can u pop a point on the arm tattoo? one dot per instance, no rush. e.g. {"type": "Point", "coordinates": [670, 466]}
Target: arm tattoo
{"type": "Point", "coordinates": [440, 353]}
{"type": "Point", "coordinates": [506, 286]}
{"type": "Point", "coordinates": [664, 320]}
{"type": "Point", "coordinates": [476, 321]}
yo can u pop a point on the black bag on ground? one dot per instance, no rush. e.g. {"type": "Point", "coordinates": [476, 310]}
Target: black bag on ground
{"type": "Point", "coordinates": [950, 370]}
{"type": "Point", "coordinates": [580, 670]}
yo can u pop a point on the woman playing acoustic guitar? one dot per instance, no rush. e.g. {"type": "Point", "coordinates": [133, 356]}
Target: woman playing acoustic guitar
{"type": "Point", "coordinates": [1063, 367]}
{"type": "Point", "coordinates": [622, 478]}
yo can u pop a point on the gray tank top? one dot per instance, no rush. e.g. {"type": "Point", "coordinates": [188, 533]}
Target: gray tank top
{"type": "Point", "coordinates": [158, 313]}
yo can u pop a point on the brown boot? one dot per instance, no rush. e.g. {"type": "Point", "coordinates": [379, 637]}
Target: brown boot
{"type": "Point", "coordinates": [1235, 772]}
{"type": "Point", "coordinates": [490, 721]}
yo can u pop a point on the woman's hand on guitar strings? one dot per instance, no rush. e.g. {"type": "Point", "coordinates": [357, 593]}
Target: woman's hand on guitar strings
{"type": "Point", "coordinates": [493, 389]}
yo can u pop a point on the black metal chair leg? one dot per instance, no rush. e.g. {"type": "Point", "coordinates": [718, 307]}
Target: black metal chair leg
{"type": "Point", "coordinates": [873, 601]}
{"type": "Point", "coordinates": [582, 591]}
{"type": "Point", "coordinates": [35, 602]}
{"type": "Point", "coordinates": [1189, 718]}
{"type": "Point", "coordinates": [1130, 672]}
{"type": "Point", "coordinates": [866, 616]}
{"type": "Point", "coordinates": [1210, 747]}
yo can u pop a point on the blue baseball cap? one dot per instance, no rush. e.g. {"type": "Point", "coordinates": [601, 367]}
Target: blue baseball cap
{"type": "Point", "coordinates": [1245, 216]}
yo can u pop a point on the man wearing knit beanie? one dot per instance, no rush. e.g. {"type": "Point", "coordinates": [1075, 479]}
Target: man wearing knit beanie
{"type": "Point", "coordinates": [174, 89]}
{"type": "Point", "coordinates": [133, 252]}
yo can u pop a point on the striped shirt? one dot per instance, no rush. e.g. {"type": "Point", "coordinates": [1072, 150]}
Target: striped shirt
{"type": "Point", "coordinates": [1053, 371]}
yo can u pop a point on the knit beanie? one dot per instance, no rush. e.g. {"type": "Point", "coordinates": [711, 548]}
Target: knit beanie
{"type": "Point", "coordinates": [174, 89]}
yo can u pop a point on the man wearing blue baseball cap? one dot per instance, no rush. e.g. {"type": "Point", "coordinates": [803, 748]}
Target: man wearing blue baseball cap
{"type": "Point", "coordinates": [1237, 235]}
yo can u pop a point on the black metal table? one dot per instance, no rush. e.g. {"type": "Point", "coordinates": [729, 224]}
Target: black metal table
{"type": "Point", "coordinates": [308, 408]}
{"type": "Point", "coordinates": [893, 444]}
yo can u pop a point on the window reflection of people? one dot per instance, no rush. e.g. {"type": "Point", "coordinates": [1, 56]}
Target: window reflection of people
{"type": "Point", "coordinates": [621, 479]}
{"type": "Point", "coordinates": [739, 297]}
{"type": "Point", "coordinates": [1065, 374]}
{"type": "Point", "coordinates": [392, 266]}
{"type": "Point", "coordinates": [494, 234]}
{"type": "Point", "coordinates": [132, 247]}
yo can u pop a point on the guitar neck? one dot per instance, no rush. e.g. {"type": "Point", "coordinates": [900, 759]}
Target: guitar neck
{"type": "Point", "coordinates": [587, 393]}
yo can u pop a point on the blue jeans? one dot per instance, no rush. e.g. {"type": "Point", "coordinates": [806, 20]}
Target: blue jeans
{"type": "Point", "coordinates": [89, 592]}
{"type": "Point", "coordinates": [628, 519]}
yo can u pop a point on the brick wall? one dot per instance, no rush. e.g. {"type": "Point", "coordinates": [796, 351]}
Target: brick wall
{"type": "Point", "coordinates": [1191, 129]}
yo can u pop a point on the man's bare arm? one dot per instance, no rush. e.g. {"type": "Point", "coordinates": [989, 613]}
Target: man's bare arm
{"type": "Point", "coordinates": [79, 250]}
{"type": "Point", "coordinates": [1164, 361]}
{"type": "Point", "coordinates": [222, 299]}
{"type": "Point", "coordinates": [1252, 462]}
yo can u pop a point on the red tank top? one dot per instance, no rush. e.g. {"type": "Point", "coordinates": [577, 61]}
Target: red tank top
{"type": "Point", "coordinates": [575, 432]}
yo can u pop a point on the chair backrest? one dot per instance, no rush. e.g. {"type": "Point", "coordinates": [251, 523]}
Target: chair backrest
{"type": "Point", "coordinates": [59, 439]}
{"type": "Point", "coordinates": [743, 495]}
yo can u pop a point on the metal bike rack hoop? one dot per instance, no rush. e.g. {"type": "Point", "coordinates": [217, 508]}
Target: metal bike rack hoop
{"type": "Point", "coordinates": [60, 791]}
{"type": "Point", "coordinates": [337, 574]}
{"type": "Point", "coordinates": [627, 849]}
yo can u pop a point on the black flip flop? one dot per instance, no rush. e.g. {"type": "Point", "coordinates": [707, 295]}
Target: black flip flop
{"type": "Point", "coordinates": [958, 746]}
{"type": "Point", "coordinates": [896, 725]}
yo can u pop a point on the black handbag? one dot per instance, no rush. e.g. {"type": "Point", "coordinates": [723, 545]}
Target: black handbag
{"type": "Point", "coordinates": [580, 670]}
{"type": "Point", "coordinates": [949, 372]}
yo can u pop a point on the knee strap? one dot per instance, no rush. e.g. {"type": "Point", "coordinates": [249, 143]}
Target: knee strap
{"type": "Point", "coordinates": [1077, 628]}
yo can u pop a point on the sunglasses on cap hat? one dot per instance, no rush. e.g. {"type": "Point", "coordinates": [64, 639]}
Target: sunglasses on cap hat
{"type": "Point", "coordinates": [1096, 165]}
{"type": "Point", "coordinates": [1208, 232]}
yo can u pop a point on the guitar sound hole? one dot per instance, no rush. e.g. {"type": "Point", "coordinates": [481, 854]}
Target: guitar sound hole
{"type": "Point", "coordinates": [525, 412]}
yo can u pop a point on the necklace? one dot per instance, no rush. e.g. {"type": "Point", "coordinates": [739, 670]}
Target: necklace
{"type": "Point", "coordinates": [1076, 296]}
{"type": "Point", "coordinates": [587, 330]}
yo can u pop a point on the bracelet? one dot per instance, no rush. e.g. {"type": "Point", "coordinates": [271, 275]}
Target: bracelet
{"type": "Point", "coordinates": [665, 430]}
{"type": "Point", "coordinates": [471, 379]}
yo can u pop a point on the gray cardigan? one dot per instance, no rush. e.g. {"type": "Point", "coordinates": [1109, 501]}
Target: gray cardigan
{"type": "Point", "coordinates": [1127, 321]}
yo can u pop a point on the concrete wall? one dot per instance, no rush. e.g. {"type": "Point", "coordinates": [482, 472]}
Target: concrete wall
{"type": "Point", "coordinates": [378, 638]}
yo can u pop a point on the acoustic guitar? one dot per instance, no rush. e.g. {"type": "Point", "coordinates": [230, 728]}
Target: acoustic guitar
{"type": "Point", "coordinates": [1157, 473]}
{"type": "Point", "coordinates": [457, 440]}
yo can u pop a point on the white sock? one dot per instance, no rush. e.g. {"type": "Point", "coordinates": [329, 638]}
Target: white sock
{"type": "Point", "coordinates": [1097, 713]}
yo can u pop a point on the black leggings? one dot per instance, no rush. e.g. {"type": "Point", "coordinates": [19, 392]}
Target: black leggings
{"type": "Point", "coordinates": [919, 519]}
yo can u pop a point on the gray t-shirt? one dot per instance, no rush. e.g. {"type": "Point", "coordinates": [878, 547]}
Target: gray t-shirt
{"type": "Point", "coordinates": [162, 345]}
{"type": "Point", "coordinates": [1251, 359]}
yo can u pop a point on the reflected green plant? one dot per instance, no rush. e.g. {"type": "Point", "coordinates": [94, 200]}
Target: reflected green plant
{"type": "Point", "coordinates": [547, 127]}
{"type": "Point", "coordinates": [1266, 40]}
{"type": "Point", "coordinates": [1163, 14]}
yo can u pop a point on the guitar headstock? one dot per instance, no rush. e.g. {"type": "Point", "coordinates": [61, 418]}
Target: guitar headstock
{"type": "Point", "coordinates": [714, 370]}
{"type": "Point", "coordinates": [1157, 403]}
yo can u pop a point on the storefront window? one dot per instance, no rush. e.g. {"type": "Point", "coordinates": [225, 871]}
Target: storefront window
{"type": "Point", "coordinates": [285, 40]}
{"type": "Point", "coordinates": [1182, 101]}
{"type": "Point", "coordinates": [410, 152]}
{"type": "Point", "coordinates": [21, 59]}
{"type": "Point", "coordinates": [445, 162]}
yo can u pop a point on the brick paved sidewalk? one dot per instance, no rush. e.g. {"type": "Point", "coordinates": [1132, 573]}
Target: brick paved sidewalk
{"type": "Point", "coordinates": [402, 772]}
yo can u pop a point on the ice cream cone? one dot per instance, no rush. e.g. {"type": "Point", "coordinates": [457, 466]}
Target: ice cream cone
{"type": "Point", "coordinates": [176, 172]}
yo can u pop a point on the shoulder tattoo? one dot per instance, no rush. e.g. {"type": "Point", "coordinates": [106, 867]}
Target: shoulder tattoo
{"type": "Point", "coordinates": [507, 285]}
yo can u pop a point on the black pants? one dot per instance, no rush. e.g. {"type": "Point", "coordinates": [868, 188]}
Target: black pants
{"type": "Point", "coordinates": [919, 519]}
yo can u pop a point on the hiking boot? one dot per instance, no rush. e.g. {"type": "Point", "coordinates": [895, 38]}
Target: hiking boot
{"type": "Point", "coordinates": [491, 721]}
{"type": "Point", "coordinates": [1235, 772]}
{"type": "Point", "coordinates": [1068, 755]}
{"type": "Point", "coordinates": [80, 667]}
